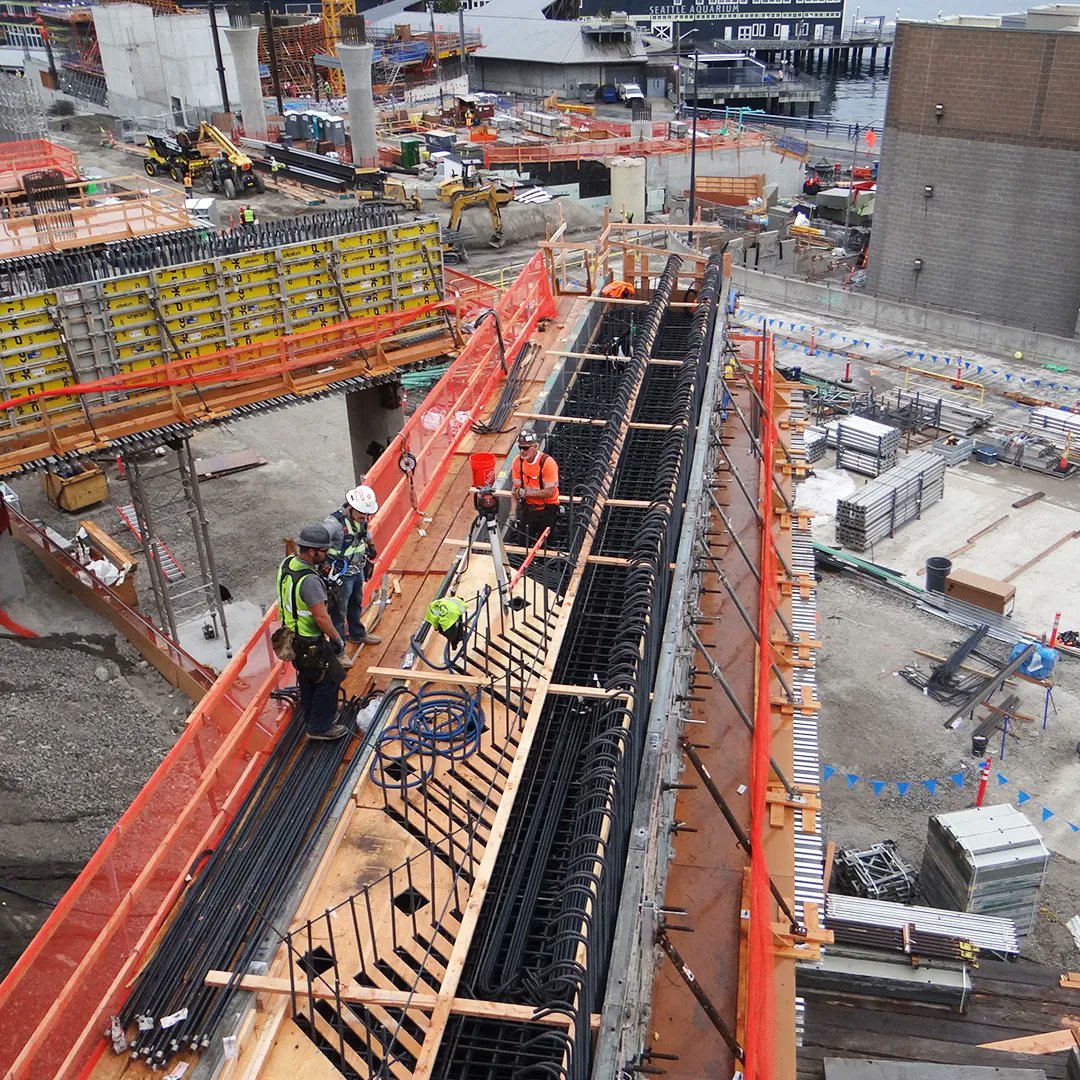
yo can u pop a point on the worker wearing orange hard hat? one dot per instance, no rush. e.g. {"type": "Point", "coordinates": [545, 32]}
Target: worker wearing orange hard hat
{"type": "Point", "coordinates": [534, 489]}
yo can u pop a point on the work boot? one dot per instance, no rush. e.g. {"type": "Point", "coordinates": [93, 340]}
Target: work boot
{"type": "Point", "coordinates": [338, 731]}
{"type": "Point", "coordinates": [371, 639]}
{"type": "Point", "coordinates": [346, 661]}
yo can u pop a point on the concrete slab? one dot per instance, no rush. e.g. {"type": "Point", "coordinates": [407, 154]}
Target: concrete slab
{"type": "Point", "coordinates": [242, 617]}
{"type": "Point", "coordinates": [869, 1069]}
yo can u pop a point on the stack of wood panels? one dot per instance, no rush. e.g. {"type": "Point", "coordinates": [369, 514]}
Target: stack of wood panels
{"type": "Point", "coordinates": [879, 508]}
{"type": "Point", "coordinates": [989, 860]}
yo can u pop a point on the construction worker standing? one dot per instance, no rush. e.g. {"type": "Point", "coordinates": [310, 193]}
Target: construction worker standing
{"type": "Point", "coordinates": [302, 599]}
{"type": "Point", "coordinates": [352, 562]}
{"type": "Point", "coordinates": [247, 216]}
{"type": "Point", "coordinates": [187, 183]}
{"type": "Point", "coordinates": [534, 489]}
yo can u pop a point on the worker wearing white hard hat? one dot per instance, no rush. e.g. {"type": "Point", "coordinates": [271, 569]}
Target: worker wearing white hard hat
{"type": "Point", "coordinates": [351, 563]}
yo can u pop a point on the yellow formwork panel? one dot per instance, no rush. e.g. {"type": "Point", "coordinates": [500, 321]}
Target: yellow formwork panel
{"type": "Point", "coordinates": [210, 305]}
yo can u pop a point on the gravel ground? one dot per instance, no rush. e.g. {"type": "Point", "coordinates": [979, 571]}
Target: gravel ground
{"type": "Point", "coordinates": [876, 726]}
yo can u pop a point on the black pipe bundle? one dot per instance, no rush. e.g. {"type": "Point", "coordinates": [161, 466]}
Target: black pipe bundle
{"type": "Point", "coordinates": [35, 273]}
{"type": "Point", "coordinates": [223, 919]}
{"type": "Point", "coordinates": [545, 931]}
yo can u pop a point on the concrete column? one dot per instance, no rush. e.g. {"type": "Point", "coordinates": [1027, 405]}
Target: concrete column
{"type": "Point", "coordinates": [356, 67]}
{"type": "Point", "coordinates": [244, 45]}
{"type": "Point", "coordinates": [12, 586]}
{"type": "Point", "coordinates": [375, 417]}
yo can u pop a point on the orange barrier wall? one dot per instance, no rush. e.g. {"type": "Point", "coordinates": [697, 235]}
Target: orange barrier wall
{"type": "Point", "coordinates": [56, 1001]}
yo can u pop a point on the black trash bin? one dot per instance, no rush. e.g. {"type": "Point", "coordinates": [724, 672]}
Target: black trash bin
{"type": "Point", "coordinates": [978, 745]}
{"type": "Point", "coordinates": [938, 569]}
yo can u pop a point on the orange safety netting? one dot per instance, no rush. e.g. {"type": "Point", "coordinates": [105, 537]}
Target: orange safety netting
{"type": "Point", "coordinates": [604, 149]}
{"type": "Point", "coordinates": [56, 1001]}
{"type": "Point", "coordinates": [759, 1048]}
{"type": "Point", "coordinates": [434, 431]}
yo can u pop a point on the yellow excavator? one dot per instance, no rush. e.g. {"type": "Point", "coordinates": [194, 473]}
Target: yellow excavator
{"type": "Point", "coordinates": [494, 197]}
{"type": "Point", "coordinates": [232, 171]}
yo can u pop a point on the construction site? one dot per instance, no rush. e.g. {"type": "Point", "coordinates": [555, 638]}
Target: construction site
{"type": "Point", "coordinates": [732, 740]}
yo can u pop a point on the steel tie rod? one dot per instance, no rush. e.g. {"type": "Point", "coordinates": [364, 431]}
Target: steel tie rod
{"type": "Point", "coordinates": [694, 987]}
{"type": "Point", "coordinates": [694, 758]}
{"type": "Point", "coordinates": [789, 693]}
{"type": "Point", "coordinates": [718, 675]}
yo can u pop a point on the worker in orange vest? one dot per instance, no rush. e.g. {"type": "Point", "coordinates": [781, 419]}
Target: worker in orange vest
{"type": "Point", "coordinates": [534, 489]}
{"type": "Point", "coordinates": [187, 183]}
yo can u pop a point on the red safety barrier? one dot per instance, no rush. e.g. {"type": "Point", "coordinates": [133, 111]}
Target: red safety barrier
{"type": "Point", "coordinates": [56, 1001]}
{"type": "Point", "coordinates": [760, 1041]}
{"type": "Point", "coordinates": [434, 431]}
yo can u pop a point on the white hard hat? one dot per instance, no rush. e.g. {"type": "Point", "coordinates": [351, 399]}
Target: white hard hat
{"type": "Point", "coordinates": [363, 499]}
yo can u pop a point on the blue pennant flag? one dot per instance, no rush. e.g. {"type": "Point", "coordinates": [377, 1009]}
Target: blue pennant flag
{"type": "Point", "coordinates": [922, 356]}
{"type": "Point", "coordinates": [867, 344]}
{"type": "Point", "coordinates": [933, 356]}
{"type": "Point", "coordinates": [806, 352]}
{"type": "Point", "coordinates": [830, 354]}
{"type": "Point", "coordinates": [1037, 382]}
{"type": "Point", "coordinates": [909, 352]}
{"type": "Point", "coordinates": [878, 786]}
{"type": "Point", "coordinates": [978, 369]}
{"type": "Point", "coordinates": [1075, 828]}
{"type": "Point", "coordinates": [958, 778]}
{"type": "Point", "coordinates": [1022, 797]}
{"type": "Point", "coordinates": [902, 786]}
{"type": "Point", "coordinates": [792, 325]}
{"type": "Point", "coordinates": [1022, 379]}
{"type": "Point", "coordinates": [852, 779]}
{"type": "Point", "coordinates": [1053, 386]}
{"type": "Point", "coordinates": [967, 363]}
{"type": "Point", "coordinates": [1047, 813]}
{"type": "Point", "coordinates": [1008, 375]}
{"type": "Point", "coordinates": [1002, 779]}
{"type": "Point", "coordinates": [994, 371]}
{"type": "Point", "coordinates": [930, 785]}
{"type": "Point", "coordinates": [832, 334]}
{"type": "Point", "coordinates": [828, 770]}
{"type": "Point", "coordinates": [802, 327]}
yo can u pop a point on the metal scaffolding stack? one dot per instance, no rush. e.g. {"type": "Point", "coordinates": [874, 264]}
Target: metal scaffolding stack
{"type": "Point", "coordinates": [989, 861]}
{"type": "Point", "coordinates": [865, 446]}
{"type": "Point", "coordinates": [879, 508]}
{"type": "Point", "coordinates": [946, 414]}
{"type": "Point", "coordinates": [877, 873]}
{"type": "Point", "coordinates": [1058, 426]}
{"type": "Point", "coordinates": [815, 442]}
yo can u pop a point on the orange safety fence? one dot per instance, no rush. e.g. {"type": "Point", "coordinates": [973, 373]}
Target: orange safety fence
{"type": "Point", "coordinates": [19, 158]}
{"type": "Point", "coordinates": [56, 1001]}
{"type": "Point", "coordinates": [760, 1042]}
{"type": "Point", "coordinates": [433, 432]}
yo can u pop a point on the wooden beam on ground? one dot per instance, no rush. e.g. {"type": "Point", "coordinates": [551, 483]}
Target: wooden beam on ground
{"type": "Point", "coordinates": [1049, 1042]}
{"type": "Point", "coordinates": [1042, 554]}
{"type": "Point", "coordinates": [353, 994]}
{"type": "Point", "coordinates": [414, 675]}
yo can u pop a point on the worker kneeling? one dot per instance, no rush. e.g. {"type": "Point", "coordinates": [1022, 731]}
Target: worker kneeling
{"type": "Point", "coordinates": [535, 489]}
{"type": "Point", "coordinates": [307, 635]}
{"type": "Point", "coordinates": [352, 563]}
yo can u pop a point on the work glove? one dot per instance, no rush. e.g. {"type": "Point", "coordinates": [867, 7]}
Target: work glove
{"type": "Point", "coordinates": [338, 647]}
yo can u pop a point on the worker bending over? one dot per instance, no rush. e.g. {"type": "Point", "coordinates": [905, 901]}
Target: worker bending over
{"type": "Point", "coordinates": [534, 489]}
{"type": "Point", "coordinates": [352, 563]}
{"type": "Point", "coordinates": [315, 643]}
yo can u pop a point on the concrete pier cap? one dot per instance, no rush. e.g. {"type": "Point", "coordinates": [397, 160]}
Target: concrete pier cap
{"type": "Point", "coordinates": [243, 39]}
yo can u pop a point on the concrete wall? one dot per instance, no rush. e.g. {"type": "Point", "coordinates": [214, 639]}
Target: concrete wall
{"type": "Point", "coordinates": [672, 171]}
{"type": "Point", "coordinates": [512, 76]}
{"type": "Point", "coordinates": [150, 59]}
{"type": "Point", "coordinates": [915, 321]}
{"type": "Point", "coordinates": [1000, 233]}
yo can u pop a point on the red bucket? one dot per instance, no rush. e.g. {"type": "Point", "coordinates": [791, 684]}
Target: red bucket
{"type": "Point", "coordinates": [483, 469]}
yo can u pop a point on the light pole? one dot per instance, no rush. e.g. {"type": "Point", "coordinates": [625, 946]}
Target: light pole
{"type": "Point", "coordinates": [693, 151]}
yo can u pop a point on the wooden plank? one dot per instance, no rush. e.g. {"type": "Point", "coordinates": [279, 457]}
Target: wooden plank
{"type": "Point", "coordinates": [1050, 1042]}
{"type": "Point", "coordinates": [353, 994]}
{"type": "Point", "coordinates": [413, 675]}
{"type": "Point", "coordinates": [1042, 554]}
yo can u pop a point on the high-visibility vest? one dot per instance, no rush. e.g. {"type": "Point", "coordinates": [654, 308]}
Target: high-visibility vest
{"type": "Point", "coordinates": [355, 542]}
{"type": "Point", "coordinates": [249, 216]}
{"type": "Point", "coordinates": [445, 612]}
{"type": "Point", "coordinates": [530, 474]}
{"type": "Point", "coordinates": [295, 614]}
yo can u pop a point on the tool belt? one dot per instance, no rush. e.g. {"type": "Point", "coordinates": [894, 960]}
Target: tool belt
{"type": "Point", "coordinates": [313, 658]}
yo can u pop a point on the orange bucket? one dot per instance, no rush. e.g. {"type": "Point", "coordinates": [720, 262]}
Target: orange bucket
{"type": "Point", "coordinates": [483, 469]}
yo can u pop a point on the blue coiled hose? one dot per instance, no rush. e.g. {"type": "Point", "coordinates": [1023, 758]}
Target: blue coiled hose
{"type": "Point", "coordinates": [429, 725]}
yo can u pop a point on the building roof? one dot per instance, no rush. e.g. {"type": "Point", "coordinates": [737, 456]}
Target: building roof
{"type": "Point", "coordinates": [517, 30]}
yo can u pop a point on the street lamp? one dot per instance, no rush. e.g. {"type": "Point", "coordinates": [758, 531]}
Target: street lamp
{"type": "Point", "coordinates": [693, 151]}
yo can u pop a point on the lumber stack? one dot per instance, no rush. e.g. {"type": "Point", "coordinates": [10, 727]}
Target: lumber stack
{"type": "Point", "coordinates": [865, 446]}
{"type": "Point", "coordinates": [989, 860]}
{"type": "Point", "coordinates": [880, 507]}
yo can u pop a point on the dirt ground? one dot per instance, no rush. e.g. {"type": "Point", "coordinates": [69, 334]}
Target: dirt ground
{"type": "Point", "coordinates": [878, 727]}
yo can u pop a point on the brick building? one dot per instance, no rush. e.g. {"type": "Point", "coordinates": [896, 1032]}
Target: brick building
{"type": "Point", "coordinates": [979, 190]}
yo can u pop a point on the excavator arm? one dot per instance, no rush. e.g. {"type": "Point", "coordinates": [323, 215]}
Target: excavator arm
{"type": "Point", "coordinates": [493, 198]}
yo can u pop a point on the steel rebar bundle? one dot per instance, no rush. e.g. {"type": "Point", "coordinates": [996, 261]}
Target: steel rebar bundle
{"type": "Point", "coordinates": [223, 918]}
{"type": "Point", "coordinates": [545, 930]}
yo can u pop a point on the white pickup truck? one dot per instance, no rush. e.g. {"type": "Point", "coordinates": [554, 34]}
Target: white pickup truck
{"type": "Point", "coordinates": [630, 92]}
